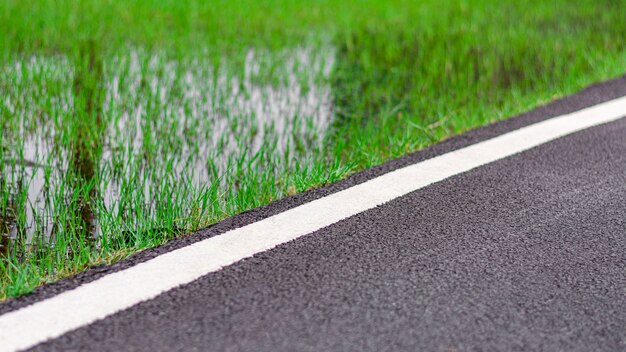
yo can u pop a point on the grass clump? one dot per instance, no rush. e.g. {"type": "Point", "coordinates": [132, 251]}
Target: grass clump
{"type": "Point", "coordinates": [126, 124]}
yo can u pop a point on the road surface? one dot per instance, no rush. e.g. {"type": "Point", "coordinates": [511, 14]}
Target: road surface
{"type": "Point", "coordinates": [511, 237]}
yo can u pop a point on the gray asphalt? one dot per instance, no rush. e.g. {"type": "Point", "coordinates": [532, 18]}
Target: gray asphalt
{"type": "Point", "coordinates": [527, 253]}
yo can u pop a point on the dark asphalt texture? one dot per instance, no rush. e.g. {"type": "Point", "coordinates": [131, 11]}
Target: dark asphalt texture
{"type": "Point", "coordinates": [524, 254]}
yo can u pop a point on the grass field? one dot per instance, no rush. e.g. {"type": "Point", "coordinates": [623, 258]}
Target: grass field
{"type": "Point", "coordinates": [127, 123]}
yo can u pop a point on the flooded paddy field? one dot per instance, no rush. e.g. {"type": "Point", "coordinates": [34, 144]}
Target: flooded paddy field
{"type": "Point", "coordinates": [159, 118]}
{"type": "Point", "coordinates": [149, 125]}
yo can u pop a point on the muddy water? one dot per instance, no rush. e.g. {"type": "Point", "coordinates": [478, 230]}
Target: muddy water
{"type": "Point", "coordinates": [8, 232]}
{"type": "Point", "coordinates": [86, 146]}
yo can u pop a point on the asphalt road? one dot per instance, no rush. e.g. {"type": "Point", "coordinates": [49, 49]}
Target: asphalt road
{"type": "Point", "coordinates": [525, 253]}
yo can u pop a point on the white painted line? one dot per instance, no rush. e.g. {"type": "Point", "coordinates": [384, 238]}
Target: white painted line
{"type": "Point", "coordinates": [72, 309]}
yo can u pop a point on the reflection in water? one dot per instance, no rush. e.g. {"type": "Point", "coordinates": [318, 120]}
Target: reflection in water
{"type": "Point", "coordinates": [88, 96]}
{"type": "Point", "coordinates": [106, 143]}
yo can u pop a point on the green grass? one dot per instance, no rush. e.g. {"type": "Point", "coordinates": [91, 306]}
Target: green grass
{"type": "Point", "coordinates": [126, 124]}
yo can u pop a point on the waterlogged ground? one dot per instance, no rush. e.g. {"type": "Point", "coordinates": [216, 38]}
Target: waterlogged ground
{"type": "Point", "coordinates": [125, 124]}
{"type": "Point", "coordinates": [159, 132]}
